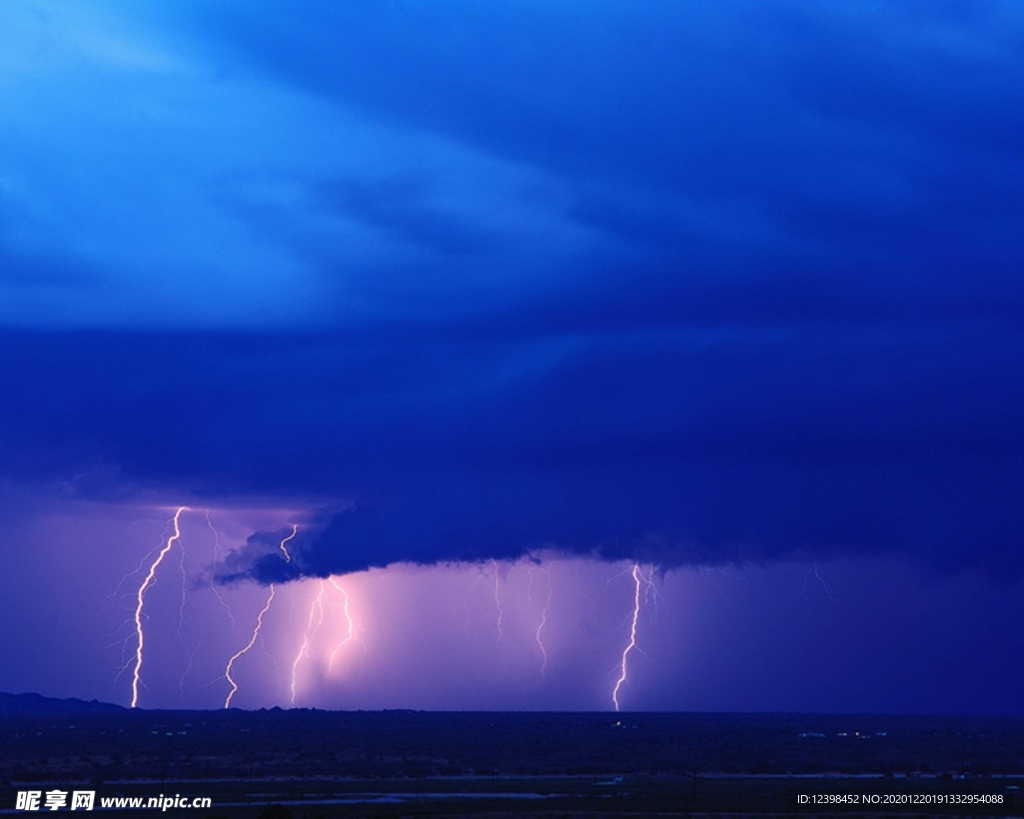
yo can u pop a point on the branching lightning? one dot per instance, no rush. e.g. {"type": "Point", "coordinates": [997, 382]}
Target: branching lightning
{"type": "Point", "coordinates": [250, 644]}
{"type": "Point", "coordinates": [324, 643]}
{"type": "Point", "coordinates": [637, 577]}
{"type": "Point", "coordinates": [141, 598]}
{"type": "Point", "coordinates": [123, 644]}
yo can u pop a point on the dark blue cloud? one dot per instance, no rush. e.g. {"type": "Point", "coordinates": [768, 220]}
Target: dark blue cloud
{"type": "Point", "coordinates": [679, 448]}
{"type": "Point", "coordinates": [688, 283]}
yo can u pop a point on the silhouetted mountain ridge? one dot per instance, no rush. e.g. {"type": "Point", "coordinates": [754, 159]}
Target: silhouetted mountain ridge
{"type": "Point", "coordinates": [38, 704]}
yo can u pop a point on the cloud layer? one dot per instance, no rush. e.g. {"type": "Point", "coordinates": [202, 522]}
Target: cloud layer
{"type": "Point", "coordinates": [689, 284]}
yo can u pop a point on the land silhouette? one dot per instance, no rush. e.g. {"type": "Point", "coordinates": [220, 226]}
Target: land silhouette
{"type": "Point", "coordinates": [307, 762]}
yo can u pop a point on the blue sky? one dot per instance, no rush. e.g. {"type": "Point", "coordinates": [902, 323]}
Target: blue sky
{"type": "Point", "coordinates": [696, 284]}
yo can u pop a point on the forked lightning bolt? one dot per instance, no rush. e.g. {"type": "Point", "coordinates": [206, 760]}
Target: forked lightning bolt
{"type": "Point", "coordinates": [250, 644]}
{"type": "Point", "coordinates": [141, 599]}
{"type": "Point", "coordinates": [632, 636]}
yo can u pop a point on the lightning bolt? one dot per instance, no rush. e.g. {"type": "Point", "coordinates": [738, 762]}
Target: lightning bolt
{"type": "Point", "coordinates": [824, 585]}
{"type": "Point", "coordinates": [184, 587]}
{"type": "Point", "coordinates": [351, 635]}
{"type": "Point", "coordinates": [123, 644]}
{"type": "Point", "coordinates": [650, 594]}
{"type": "Point", "coordinates": [112, 597]}
{"type": "Point", "coordinates": [543, 622]}
{"type": "Point", "coordinates": [287, 556]}
{"type": "Point", "coordinates": [632, 636]}
{"type": "Point", "coordinates": [259, 624]}
{"type": "Point", "coordinates": [318, 602]}
{"type": "Point", "coordinates": [497, 599]}
{"type": "Point", "coordinates": [141, 599]}
{"type": "Point", "coordinates": [250, 644]}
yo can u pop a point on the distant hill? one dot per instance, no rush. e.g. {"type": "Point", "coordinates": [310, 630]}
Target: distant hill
{"type": "Point", "coordinates": [37, 704]}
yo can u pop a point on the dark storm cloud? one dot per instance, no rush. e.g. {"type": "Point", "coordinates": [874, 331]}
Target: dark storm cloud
{"type": "Point", "coordinates": [774, 308]}
{"type": "Point", "coordinates": [678, 448]}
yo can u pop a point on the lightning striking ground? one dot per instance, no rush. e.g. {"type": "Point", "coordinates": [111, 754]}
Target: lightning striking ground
{"type": "Point", "coordinates": [259, 622]}
{"type": "Point", "coordinates": [141, 599]}
{"type": "Point", "coordinates": [250, 644]}
{"type": "Point", "coordinates": [632, 636]}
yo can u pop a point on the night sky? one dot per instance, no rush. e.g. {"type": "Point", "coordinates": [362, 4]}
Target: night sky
{"type": "Point", "coordinates": [500, 341]}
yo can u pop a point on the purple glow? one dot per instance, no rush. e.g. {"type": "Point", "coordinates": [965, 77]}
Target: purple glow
{"type": "Point", "coordinates": [408, 636]}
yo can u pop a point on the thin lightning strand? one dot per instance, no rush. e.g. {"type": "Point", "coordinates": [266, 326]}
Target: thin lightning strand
{"type": "Point", "coordinates": [191, 661]}
{"type": "Point", "coordinates": [184, 587]}
{"type": "Point", "coordinates": [123, 644]}
{"type": "Point", "coordinates": [651, 594]}
{"type": "Point", "coordinates": [259, 624]}
{"type": "Point", "coordinates": [824, 585]}
{"type": "Point", "coordinates": [348, 619]}
{"type": "Point", "coordinates": [273, 659]}
{"type": "Point", "coordinates": [580, 591]}
{"type": "Point", "coordinates": [181, 621]}
{"type": "Point", "coordinates": [650, 597]}
{"type": "Point", "coordinates": [304, 648]}
{"type": "Point", "coordinates": [287, 556]}
{"type": "Point", "coordinates": [632, 636]}
{"type": "Point", "coordinates": [141, 598]}
{"type": "Point", "coordinates": [213, 583]}
{"type": "Point", "coordinates": [113, 595]}
{"type": "Point", "coordinates": [497, 599]}
{"type": "Point", "coordinates": [543, 622]}
{"type": "Point", "coordinates": [250, 644]}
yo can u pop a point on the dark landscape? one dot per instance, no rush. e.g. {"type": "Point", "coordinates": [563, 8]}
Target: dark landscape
{"type": "Point", "coordinates": [417, 763]}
